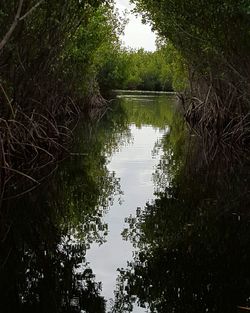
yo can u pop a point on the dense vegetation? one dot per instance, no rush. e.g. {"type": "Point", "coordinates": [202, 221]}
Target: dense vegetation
{"type": "Point", "coordinates": [214, 40]}
{"type": "Point", "coordinates": [50, 53]}
{"type": "Point", "coordinates": [56, 57]}
{"type": "Point", "coordinates": [162, 70]}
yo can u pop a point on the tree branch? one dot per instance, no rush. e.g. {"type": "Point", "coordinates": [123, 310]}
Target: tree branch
{"type": "Point", "coordinates": [31, 10]}
{"type": "Point", "coordinates": [12, 27]}
{"type": "Point", "coordinates": [16, 21]}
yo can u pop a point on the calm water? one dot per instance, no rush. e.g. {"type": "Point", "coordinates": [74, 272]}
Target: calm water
{"type": "Point", "coordinates": [135, 221]}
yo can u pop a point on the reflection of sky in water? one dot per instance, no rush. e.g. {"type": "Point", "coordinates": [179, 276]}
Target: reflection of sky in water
{"type": "Point", "coordinates": [134, 164]}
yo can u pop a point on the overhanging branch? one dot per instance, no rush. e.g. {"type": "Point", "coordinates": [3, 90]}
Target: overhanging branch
{"type": "Point", "coordinates": [16, 21]}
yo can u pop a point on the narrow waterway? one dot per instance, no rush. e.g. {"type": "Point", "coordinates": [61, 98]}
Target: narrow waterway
{"type": "Point", "coordinates": [134, 165]}
{"type": "Point", "coordinates": [134, 221]}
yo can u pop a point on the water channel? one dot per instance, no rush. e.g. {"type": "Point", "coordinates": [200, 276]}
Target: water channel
{"type": "Point", "coordinates": [134, 221]}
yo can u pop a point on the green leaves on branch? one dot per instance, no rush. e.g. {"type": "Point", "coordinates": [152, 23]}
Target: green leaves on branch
{"type": "Point", "coordinates": [162, 70]}
{"type": "Point", "coordinates": [205, 32]}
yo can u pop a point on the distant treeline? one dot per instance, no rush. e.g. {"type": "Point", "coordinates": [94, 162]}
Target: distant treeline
{"type": "Point", "coordinates": [161, 70]}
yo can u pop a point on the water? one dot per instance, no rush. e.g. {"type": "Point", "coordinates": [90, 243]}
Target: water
{"type": "Point", "coordinates": [135, 221]}
{"type": "Point", "coordinates": [134, 165]}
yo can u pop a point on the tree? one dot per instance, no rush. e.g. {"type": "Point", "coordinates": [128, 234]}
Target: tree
{"type": "Point", "coordinates": [213, 39]}
{"type": "Point", "coordinates": [50, 57]}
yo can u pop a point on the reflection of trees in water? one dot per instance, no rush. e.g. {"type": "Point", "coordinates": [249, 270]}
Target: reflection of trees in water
{"type": "Point", "coordinates": [154, 111]}
{"type": "Point", "coordinates": [91, 187]}
{"type": "Point", "coordinates": [44, 236]}
{"type": "Point", "coordinates": [39, 265]}
{"type": "Point", "coordinates": [171, 148]}
{"type": "Point", "coordinates": [160, 112]}
{"type": "Point", "coordinates": [192, 244]}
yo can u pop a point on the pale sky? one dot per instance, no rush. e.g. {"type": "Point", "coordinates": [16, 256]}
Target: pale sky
{"type": "Point", "coordinates": [136, 35]}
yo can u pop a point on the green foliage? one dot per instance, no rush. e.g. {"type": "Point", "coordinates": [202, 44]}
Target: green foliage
{"type": "Point", "coordinates": [48, 71]}
{"type": "Point", "coordinates": [57, 49]}
{"type": "Point", "coordinates": [213, 39]}
{"type": "Point", "coordinates": [200, 29]}
{"type": "Point", "coordinates": [88, 49]}
{"type": "Point", "coordinates": [175, 68]}
{"type": "Point", "coordinates": [162, 70]}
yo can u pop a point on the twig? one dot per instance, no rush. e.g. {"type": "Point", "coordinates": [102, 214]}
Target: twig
{"type": "Point", "coordinates": [17, 19]}
{"type": "Point", "coordinates": [8, 100]}
{"type": "Point", "coordinates": [244, 308]}
{"type": "Point", "coordinates": [31, 10]}
{"type": "Point", "coordinates": [21, 173]}
{"type": "Point", "coordinates": [12, 27]}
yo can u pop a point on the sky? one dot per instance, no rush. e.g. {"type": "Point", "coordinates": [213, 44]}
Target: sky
{"type": "Point", "coordinates": [136, 35]}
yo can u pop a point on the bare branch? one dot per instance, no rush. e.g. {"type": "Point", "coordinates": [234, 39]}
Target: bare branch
{"type": "Point", "coordinates": [16, 21]}
{"type": "Point", "coordinates": [12, 27]}
{"type": "Point", "coordinates": [31, 10]}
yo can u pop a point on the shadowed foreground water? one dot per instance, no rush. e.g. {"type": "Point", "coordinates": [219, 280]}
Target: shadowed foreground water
{"type": "Point", "coordinates": [135, 221]}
